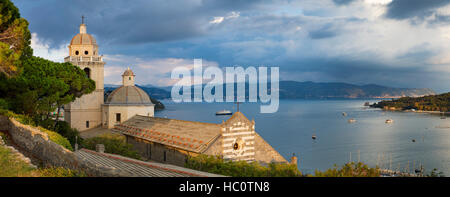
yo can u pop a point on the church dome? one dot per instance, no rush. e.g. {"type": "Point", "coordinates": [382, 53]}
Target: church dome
{"type": "Point", "coordinates": [128, 72]}
{"type": "Point", "coordinates": [83, 38]}
{"type": "Point", "coordinates": [129, 95]}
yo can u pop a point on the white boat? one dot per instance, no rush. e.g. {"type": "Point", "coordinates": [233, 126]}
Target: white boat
{"type": "Point", "coordinates": [389, 121]}
{"type": "Point", "coordinates": [224, 112]}
{"type": "Point", "coordinates": [344, 114]}
{"type": "Point", "coordinates": [351, 120]}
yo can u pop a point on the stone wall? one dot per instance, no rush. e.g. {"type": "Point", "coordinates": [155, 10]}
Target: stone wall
{"type": "Point", "coordinates": [39, 145]}
{"type": "Point", "coordinates": [158, 152]}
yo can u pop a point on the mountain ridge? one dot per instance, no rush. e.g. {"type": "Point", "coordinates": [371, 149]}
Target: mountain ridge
{"type": "Point", "coordinates": [315, 90]}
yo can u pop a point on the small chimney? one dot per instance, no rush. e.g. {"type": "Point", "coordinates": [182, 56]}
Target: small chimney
{"type": "Point", "coordinates": [294, 159]}
{"type": "Point", "coordinates": [100, 148]}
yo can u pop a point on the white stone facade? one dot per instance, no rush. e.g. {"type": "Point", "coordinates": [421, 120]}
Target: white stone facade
{"type": "Point", "coordinates": [90, 111]}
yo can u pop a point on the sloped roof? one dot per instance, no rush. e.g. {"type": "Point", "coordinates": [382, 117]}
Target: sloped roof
{"type": "Point", "coordinates": [237, 117]}
{"type": "Point", "coordinates": [186, 135]}
{"type": "Point", "coordinates": [136, 168]}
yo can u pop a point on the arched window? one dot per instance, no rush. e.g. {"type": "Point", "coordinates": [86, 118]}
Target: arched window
{"type": "Point", "coordinates": [86, 52]}
{"type": "Point", "coordinates": [88, 72]}
{"type": "Point", "coordinates": [77, 52]}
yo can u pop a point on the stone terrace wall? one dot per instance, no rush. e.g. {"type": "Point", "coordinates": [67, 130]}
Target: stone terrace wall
{"type": "Point", "coordinates": [40, 146]}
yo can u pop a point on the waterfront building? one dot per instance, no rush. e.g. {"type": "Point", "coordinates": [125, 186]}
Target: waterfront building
{"type": "Point", "coordinates": [129, 110]}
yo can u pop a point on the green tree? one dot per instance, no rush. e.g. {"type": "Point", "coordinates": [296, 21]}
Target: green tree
{"type": "Point", "coordinates": [15, 38]}
{"type": "Point", "coordinates": [43, 85]}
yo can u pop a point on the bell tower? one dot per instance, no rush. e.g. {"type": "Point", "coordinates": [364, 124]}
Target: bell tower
{"type": "Point", "coordinates": [85, 112]}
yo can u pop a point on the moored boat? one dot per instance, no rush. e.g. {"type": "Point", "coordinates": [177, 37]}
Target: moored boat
{"type": "Point", "coordinates": [224, 112]}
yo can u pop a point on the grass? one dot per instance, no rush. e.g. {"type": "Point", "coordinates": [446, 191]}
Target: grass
{"type": "Point", "coordinates": [12, 166]}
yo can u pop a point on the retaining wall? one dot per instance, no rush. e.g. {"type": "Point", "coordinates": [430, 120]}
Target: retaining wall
{"type": "Point", "coordinates": [39, 145]}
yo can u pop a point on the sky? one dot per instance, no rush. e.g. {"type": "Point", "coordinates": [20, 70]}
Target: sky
{"type": "Point", "coordinates": [397, 43]}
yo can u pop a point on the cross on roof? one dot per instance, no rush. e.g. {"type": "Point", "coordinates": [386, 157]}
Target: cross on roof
{"type": "Point", "coordinates": [82, 19]}
{"type": "Point", "coordinates": [237, 103]}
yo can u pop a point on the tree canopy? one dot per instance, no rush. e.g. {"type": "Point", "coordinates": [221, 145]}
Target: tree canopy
{"type": "Point", "coordinates": [15, 38]}
{"type": "Point", "coordinates": [439, 102]}
{"type": "Point", "coordinates": [43, 85]}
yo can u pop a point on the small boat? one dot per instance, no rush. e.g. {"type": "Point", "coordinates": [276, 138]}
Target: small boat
{"type": "Point", "coordinates": [366, 104]}
{"type": "Point", "coordinates": [351, 120]}
{"type": "Point", "coordinates": [443, 117]}
{"type": "Point", "coordinates": [413, 140]}
{"type": "Point", "coordinates": [344, 114]}
{"type": "Point", "coordinates": [314, 136]}
{"type": "Point", "coordinates": [224, 112]}
{"type": "Point", "coordinates": [389, 121]}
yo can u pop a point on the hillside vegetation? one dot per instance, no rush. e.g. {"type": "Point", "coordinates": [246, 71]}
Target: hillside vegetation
{"type": "Point", "coordinates": [439, 102]}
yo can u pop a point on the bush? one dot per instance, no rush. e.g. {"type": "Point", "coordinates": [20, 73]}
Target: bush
{"type": "Point", "coordinates": [3, 104]}
{"type": "Point", "coordinates": [57, 138]}
{"type": "Point", "coordinates": [350, 170]}
{"type": "Point", "coordinates": [217, 165]}
{"type": "Point", "coordinates": [114, 144]}
{"type": "Point", "coordinates": [60, 172]}
{"type": "Point", "coordinates": [64, 129]}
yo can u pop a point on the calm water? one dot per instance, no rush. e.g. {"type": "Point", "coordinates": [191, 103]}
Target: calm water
{"type": "Point", "coordinates": [290, 130]}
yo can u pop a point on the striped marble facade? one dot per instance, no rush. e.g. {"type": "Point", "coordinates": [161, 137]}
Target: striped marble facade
{"type": "Point", "coordinates": [238, 138]}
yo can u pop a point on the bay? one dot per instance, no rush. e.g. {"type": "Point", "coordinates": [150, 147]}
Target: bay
{"type": "Point", "coordinates": [369, 139]}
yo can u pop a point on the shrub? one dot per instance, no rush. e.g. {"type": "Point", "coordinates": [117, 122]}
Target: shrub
{"type": "Point", "coordinates": [351, 169]}
{"type": "Point", "coordinates": [3, 104]}
{"type": "Point", "coordinates": [60, 172]}
{"type": "Point", "coordinates": [64, 129]}
{"type": "Point", "coordinates": [57, 138]}
{"type": "Point", "coordinates": [218, 165]}
{"type": "Point", "coordinates": [114, 144]}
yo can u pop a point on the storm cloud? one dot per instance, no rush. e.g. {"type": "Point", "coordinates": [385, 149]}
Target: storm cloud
{"type": "Point", "coordinates": [400, 43]}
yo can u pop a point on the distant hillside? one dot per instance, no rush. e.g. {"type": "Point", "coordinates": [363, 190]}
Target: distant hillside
{"type": "Point", "coordinates": [294, 90]}
{"type": "Point", "coordinates": [439, 102]}
{"type": "Point", "coordinates": [312, 90]}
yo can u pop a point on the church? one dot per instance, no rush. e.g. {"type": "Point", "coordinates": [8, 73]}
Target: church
{"type": "Point", "coordinates": [129, 111]}
{"type": "Point", "coordinates": [90, 111]}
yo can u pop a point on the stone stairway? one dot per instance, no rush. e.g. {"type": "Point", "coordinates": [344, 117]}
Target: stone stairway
{"type": "Point", "coordinates": [136, 168]}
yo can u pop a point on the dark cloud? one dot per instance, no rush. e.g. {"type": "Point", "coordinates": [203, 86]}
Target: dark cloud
{"type": "Point", "coordinates": [343, 2]}
{"type": "Point", "coordinates": [180, 29]}
{"type": "Point", "coordinates": [324, 32]}
{"type": "Point", "coordinates": [406, 9]}
{"type": "Point", "coordinates": [140, 21]}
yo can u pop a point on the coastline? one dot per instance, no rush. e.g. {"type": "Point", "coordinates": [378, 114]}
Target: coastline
{"type": "Point", "coordinates": [416, 111]}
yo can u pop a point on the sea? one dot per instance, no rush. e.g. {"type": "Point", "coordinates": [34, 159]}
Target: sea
{"type": "Point", "coordinates": [411, 141]}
